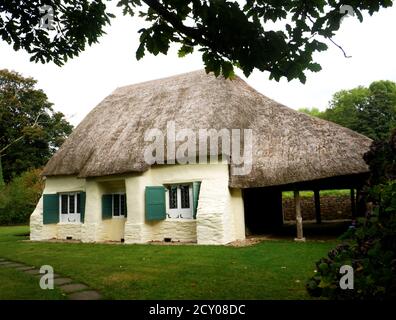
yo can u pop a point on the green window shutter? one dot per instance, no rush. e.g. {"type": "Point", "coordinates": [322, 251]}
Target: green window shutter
{"type": "Point", "coordinates": [107, 206]}
{"type": "Point", "coordinates": [82, 205]}
{"type": "Point", "coordinates": [196, 189]}
{"type": "Point", "coordinates": [50, 208]}
{"type": "Point", "coordinates": [155, 203]}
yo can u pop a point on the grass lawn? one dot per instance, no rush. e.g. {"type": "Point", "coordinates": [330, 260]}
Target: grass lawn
{"type": "Point", "coordinates": [268, 270]}
{"type": "Point", "coordinates": [16, 285]}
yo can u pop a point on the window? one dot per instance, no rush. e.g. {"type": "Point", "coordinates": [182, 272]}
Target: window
{"type": "Point", "coordinates": [185, 196]}
{"type": "Point", "coordinates": [179, 201]}
{"type": "Point", "coordinates": [173, 197]}
{"type": "Point", "coordinates": [70, 207]}
{"type": "Point", "coordinates": [65, 203]}
{"type": "Point", "coordinates": [119, 207]}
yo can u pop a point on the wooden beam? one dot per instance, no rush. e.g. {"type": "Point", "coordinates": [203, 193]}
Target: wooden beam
{"type": "Point", "coordinates": [317, 206]}
{"type": "Point", "coordinates": [299, 224]}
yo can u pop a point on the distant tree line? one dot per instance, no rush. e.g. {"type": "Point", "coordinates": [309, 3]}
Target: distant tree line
{"type": "Point", "coordinates": [368, 110]}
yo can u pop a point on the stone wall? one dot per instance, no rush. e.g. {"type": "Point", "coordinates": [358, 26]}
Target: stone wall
{"type": "Point", "coordinates": [331, 208]}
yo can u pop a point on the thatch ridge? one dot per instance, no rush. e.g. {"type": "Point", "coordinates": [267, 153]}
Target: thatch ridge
{"type": "Point", "coordinates": [289, 146]}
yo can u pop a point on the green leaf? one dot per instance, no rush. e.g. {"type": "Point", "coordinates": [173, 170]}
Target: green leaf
{"type": "Point", "coordinates": [227, 69]}
{"type": "Point", "coordinates": [185, 50]}
{"type": "Point", "coordinates": [314, 67]}
{"type": "Point", "coordinates": [140, 51]}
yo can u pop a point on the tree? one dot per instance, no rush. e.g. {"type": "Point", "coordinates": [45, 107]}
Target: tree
{"type": "Point", "coordinates": [227, 34]}
{"type": "Point", "coordinates": [19, 197]}
{"type": "Point", "coordinates": [2, 183]}
{"type": "Point", "coordinates": [370, 111]}
{"type": "Point", "coordinates": [312, 112]}
{"type": "Point", "coordinates": [30, 130]}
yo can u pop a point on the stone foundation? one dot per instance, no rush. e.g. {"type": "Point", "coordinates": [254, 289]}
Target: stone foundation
{"type": "Point", "coordinates": [177, 230]}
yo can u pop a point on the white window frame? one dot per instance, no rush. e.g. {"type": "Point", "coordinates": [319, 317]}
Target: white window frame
{"type": "Point", "coordinates": [179, 213]}
{"type": "Point", "coordinates": [71, 218]}
{"type": "Point", "coordinates": [120, 216]}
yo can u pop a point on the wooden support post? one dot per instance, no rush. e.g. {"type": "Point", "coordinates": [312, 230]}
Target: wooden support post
{"type": "Point", "coordinates": [299, 223]}
{"type": "Point", "coordinates": [353, 204]}
{"type": "Point", "coordinates": [361, 206]}
{"type": "Point", "coordinates": [317, 206]}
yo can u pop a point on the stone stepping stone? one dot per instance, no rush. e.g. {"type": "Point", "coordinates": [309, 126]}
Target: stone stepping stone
{"type": "Point", "coordinates": [33, 271]}
{"type": "Point", "coordinates": [85, 295]}
{"type": "Point", "coordinates": [73, 287]}
{"type": "Point", "coordinates": [42, 274]}
{"type": "Point", "coordinates": [15, 265]}
{"type": "Point", "coordinates": [75, 290]}
{"type": "Point", "coordinates": [60, 281]}
{"type": "Point", "coordinates": [24, 268]}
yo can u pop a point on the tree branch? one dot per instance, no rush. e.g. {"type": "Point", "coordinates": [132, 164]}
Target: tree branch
{"type": "Point", "coordinates": [338, 46]}
{"type": "Point", "coordinates": [21, 137]}
{"type": "Point", "coordinates": [174, 20]}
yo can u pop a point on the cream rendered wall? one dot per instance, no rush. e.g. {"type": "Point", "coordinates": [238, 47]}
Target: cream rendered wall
{"type": "Point", "coordinates": [109, 229]}
{"type": "Point", "coordinates": [40, 231]}
{"type": "Point", "coordinates": [94, 228]}
{"type": "Point", "coordinates": [216, 217]}
{"type": "Point", "coordinates": [238, 213]}
{"type": "Point", "coordinates": [93, 211]}
{"type": "Point", "coordinates": [220, 215]}
{"type": "Point", "coordinates": [97, 229]}
{"type": "Point", "coordinates": [112, 229]}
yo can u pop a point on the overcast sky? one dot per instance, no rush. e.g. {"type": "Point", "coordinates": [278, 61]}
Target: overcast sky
{"type": "Point", "coordinates": [83, 82]}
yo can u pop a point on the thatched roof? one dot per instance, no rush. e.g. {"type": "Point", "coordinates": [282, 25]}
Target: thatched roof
{"type": "Point", "coordinates": [288, 146]}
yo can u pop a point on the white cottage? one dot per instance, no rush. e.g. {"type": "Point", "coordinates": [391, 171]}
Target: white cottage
{"type": "Point", "coordinates": [99, 185]}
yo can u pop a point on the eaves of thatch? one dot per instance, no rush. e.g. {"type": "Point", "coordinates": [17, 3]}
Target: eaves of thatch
{"type": "Point", "coordinates": [288, 146]}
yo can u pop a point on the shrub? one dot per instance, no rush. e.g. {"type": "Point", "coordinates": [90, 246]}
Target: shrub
{"type": "Point", "coordinates": [370, 247]}
{"type": "Point", "coordinates": [19, 197]}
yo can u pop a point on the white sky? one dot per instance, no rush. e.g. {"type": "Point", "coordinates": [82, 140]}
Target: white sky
{"type": "Point", "coordinates": [83, 82]}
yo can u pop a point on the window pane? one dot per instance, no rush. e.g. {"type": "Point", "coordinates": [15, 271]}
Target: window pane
{"type": "Point", "coordinates": [78, 203]}
{"type": "Point", "coordinates": [123, 204]}
{"type": "Point", "coordinates": [71, 203]}
{"type": "Point", "coordinates": [64, 198]}
{"type": "Point", "coordinates": [116, 204]}
{"type": "Point", "coordinates": [185, 197]}
{"type": "Point", "coordinates": [173, 197]}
